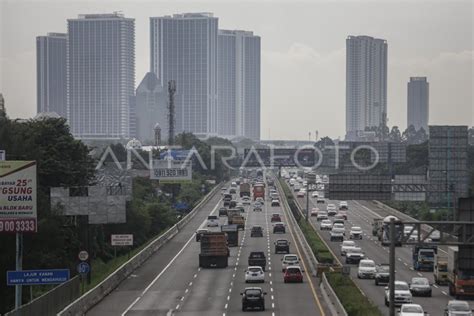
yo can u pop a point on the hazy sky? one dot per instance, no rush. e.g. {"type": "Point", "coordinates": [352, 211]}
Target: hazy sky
{"type": "Point", "coordinates": [303, 53]}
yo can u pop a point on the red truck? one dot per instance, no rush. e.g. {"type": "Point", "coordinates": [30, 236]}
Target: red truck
{"type": "Point", "coordinates": [258, 191]}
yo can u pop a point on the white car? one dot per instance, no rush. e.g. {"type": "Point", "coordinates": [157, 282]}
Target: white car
{"type": "Point", "coordinates": [413, 236]}
{"type": "Point", "coordinates": [406, 230]}
{"type": "Point", "coordinates": [457, 308]}
{"type": "Point", "coordinates": [300, 193]}
{"type": "Point", "coordinates": [331, 207]}
{"type": "Point", "coordinates": [321, 215]}
{"type": "Point", "coordinates": [320, 200]}
{"type": "Point", "coordinates": [326, 224]}
{"type": "Point", "coordinates": [343, 205]}
{"type": "Point", "coordinates": [355, 233]}
{"type": "Point", "coordinates": [411, 310]}
{"type": "Point", "coordinates": [354, 255]}
{"type": "Point", "coordinates": [212, 221]}
{"type": "Point", "coordinates": [275, 202]}
{"type": "Point", "coordinates": [367, 269]}
{"type": "Point", "coordinates": [254, 274]}
{"type": "Point", "coordinates": [337, 232]}
{"type": "Point", "coordinates": [289, 260]}
{"type": "Point", "coordinates": [314, 194]}
{"type": "Point", "coordinates": [402, 294]}
{"type": "Point", "coordinates": [346, 244]}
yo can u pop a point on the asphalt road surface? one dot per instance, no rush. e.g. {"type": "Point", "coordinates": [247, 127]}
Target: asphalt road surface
{"type": "Point", "coordinates": [362, 213]}
{"type": "Point", "coordinates": [171, 283]}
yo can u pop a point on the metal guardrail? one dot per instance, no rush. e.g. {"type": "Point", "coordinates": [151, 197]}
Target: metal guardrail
{"type": "Point", "coordinates": [52, 301]}
{"type": "Point", "coordinates": [96, 294]}
{"type": "Point", "coordinates": [332, 301]}
{"type": "Point", "coordinates": [329, 296]}
{"type": "Point", "coordinates": [308, 252]}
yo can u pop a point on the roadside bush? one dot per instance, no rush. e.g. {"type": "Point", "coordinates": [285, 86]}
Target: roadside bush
{"type": "Point", "coordinates": [350, 296]}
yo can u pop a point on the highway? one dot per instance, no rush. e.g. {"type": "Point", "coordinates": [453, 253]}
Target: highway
{"type": "Point", "coordinates": [361, 213]}
{"type": "Point", "coordinates": [170, 282]}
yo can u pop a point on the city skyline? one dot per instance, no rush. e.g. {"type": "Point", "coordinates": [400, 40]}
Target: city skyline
{"type": "Point", "coordinates": [280, 61]}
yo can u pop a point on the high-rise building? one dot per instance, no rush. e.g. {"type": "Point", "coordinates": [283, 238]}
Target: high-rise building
{"type": "Point", "coordinates": [100, 75]}
{"type": "Point", "coordinates": [184, 48]}
{"type": "Point", "coordinates": [51, 80]}
{"type": "Point", "coordinates": [366, 84]}
{"type": "Point", "coordinates": [238, 84]}
{"type": "Point", "coordinates": [149, 108]}
{"type": "Point", "coordinates": [2, 103]}
{"type": "Point", "coordinates": [418, 103]}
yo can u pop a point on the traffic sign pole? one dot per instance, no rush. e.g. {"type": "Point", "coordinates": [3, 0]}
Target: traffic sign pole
{"type": "Point", "coordinates": [19, 267]}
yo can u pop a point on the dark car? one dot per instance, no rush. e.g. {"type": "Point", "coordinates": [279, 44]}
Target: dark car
{"type": "Point", "coordinates": [232, 191]}
{"type": "Point", "coordinates": [279, 228]}
{"type": "Point", "coordinates": [382, 274]}
{"type": "Point", "coordinates": [257, 209]}
{"type": "Point", "coordinates": [420, 287]}
{"type": "Point", "coordinates": [226, 203]}
{"type": "Point", "coordinates": [257, 231]}
{"type": "Point", "coordinates": [253, 297]}
{"type": "Point", "coordinates": [282, 245]}
{"type": "Point", "coordinates": [293, 274]}
{"type": "Point", "coordinates": [233, 204]}
{"type": "Point", "coordinates": [257, 258]}
{"type": "Point", "coordinates": [275, 218]}
{"type": "Point", "coordinates": [199, 233]}
{"type": "Point", "coordinates": [223, 211]}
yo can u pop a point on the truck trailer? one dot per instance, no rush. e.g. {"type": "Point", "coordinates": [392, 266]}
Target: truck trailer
{"type": "Point", "coordinates": [214, 250]}
{"type": "Point", "coordinates": [232, 232]}
{"type": "Point", "coordinates": [245, 189]}
{"type": "Point", "coordinates": [460, 274]}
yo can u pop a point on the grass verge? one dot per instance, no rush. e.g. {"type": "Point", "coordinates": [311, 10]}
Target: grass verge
{"type": "Point", "coordinates": [350, 296]}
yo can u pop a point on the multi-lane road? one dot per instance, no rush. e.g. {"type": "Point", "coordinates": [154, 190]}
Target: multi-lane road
{"type": "Point", "coordinates": [171, 283]}
{"type": "Point", "coordinates": [362, 213]}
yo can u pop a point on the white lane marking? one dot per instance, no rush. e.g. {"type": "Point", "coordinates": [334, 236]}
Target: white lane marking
{"type": "Point", "coordinates": [182, 298]}
{"type": "Point", "coordinates": [225, 307]}
{"type": "Point", "coordinates": [420, 274]}
{"type": "Point", "coordinates": [228, 297]}
{"type": "Point", "coordinates": [187, 290]}
{"type": "Point", "coordinates": [190, 283]}
{"type": "Point", "coordinates": [444, 293]}
{"type": "Point", "coordinates": [164, 269]}
{"type": "Point", "coordinates": [271, 289]}
{"type": "Point", "coordinates": [230, 290]}
{"type": "Point", "coordinates": [177, 306]}
{"type": "Point", "coordinates": [273, 305]}
{"type": "Point", "coordinates": [435, 285]}
{"type": "Point", "coordinates": [273, 297]}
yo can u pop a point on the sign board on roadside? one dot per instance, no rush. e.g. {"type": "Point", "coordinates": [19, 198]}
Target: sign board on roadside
{"type": "Point", "coordinates": [171, 171]}
{"type": "Point", "coordinates": [121, 240]}
{"type": "Point", "coordinates": [83, 268]}
{"type": "Point", "coordinates": [83, 255]}
{"type": "Point", "coordinates": [18, 197]}
{"type": "Point", "coordinates": [174, 154]}
{"type": "Point", "coordinates": [36, 277]}
{"type": "Point", "coordinates": [3, 154]}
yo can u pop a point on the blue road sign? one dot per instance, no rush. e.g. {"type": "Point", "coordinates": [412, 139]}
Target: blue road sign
{"type": "Point", "coordinates": [176, 154]}
{"type": "Point", "coordinates": [35, 277]}
{"type": "Point", "coordinates": [181, 206]}
{"type": "Point", "coordinates": [83, 268]}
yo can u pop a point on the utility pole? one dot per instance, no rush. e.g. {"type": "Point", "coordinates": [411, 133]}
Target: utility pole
{"type": "Point", "coordinates": [171, 111]}
{"type": "Point", "coordinates": [307, 199]}
{"type": "Point", "coordinates": [392, 267]}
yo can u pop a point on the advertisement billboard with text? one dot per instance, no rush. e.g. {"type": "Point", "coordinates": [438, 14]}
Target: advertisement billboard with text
{"type": "Point", "coordinates": [18, 197]}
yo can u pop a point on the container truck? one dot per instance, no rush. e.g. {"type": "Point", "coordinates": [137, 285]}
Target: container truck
{"type": "Point", "coordinates": [232, 232]}
{"type": "Point", "coordinates": [258, 191]}
{"type": "Point", "coordinates": [235, 217]}
{"type": "Point", "coordinates": [214, 250]}
{"type": "Point", "coordinates": [460, 274]}
{"type": "Point", "coordinates": [440, 270]}
{"type": "Point", "coordinates": [424, 257]}
{"type": "Point", "coordinates": [245, 189]}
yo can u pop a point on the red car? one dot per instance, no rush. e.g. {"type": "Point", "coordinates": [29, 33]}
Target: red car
{"type": "Point", "coordinates": [276, 218]}
{"type": "Point", "coordinates": [293, 274]}
{"type": "Point", "coordinates": [343, 214]}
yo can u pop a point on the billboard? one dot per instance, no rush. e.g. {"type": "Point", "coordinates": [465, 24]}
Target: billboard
{"type": "Point", "coordinates": [121, 240]}
{"type": "Point", "coordinates": [171, 171]}
{"type": "Point", "coordinates": [18, 196]}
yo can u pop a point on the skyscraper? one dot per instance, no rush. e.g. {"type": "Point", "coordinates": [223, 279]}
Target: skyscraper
{"type": "Point", "coordinates": [184, 48]}
{"type": "Point", "coordinates": [2, 104]}
{"type": "Point", "coordinates": [418, 103]}
{"type": "Point", "coordinates": [51, 73]}
{"type": "Point", "coordinates": [366, 84]}
{"type": "Point", "coordinates": [150, 108]}
{"type": "Point", "coordinates": [238, 84]}
{"type": "Point", "coordinates": [100, 75]}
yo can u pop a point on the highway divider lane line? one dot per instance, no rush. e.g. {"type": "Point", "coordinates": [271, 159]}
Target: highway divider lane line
{"type": "Point", "coordinates": [313, 290]}
{"type": "Point", "coordinates": [165, 268]}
